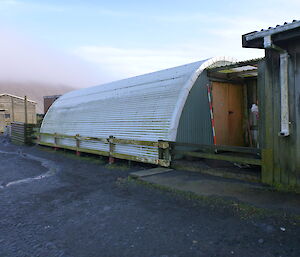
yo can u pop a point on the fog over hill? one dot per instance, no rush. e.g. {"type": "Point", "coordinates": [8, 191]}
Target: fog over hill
{"type": "Point", "coordinates": [29, 66]}
{"type": "Point", "coordinates": [33, 90]}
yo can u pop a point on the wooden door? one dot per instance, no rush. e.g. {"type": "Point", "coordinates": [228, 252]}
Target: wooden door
{"type": "Point", "coordinates": [228, 113]}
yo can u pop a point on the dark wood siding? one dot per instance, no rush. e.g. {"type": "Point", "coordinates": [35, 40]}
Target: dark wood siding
{"type": "Point", "coordinates": [281, 154]}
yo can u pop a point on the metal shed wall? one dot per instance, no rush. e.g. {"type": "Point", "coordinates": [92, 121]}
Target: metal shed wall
{"type": "Point", "coordinates": [146, 107]}
{"type": "Point", "coordinates": [195, 123]}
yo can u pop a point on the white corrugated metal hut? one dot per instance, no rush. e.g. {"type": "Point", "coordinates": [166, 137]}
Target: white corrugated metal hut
{"type": "Point", "coordinates": [149, 107]}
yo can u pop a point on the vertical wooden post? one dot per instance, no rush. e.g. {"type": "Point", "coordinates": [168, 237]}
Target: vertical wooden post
{"type": "Point", "coordinates": [55, 141]}
{"type": "Point", "coordinates": [160, 150]}
{"type": "Point", "coordinates": [164, 153]}
{"type": "Point", "coordinates": [266, 119]}
{"type": "Point", "coordinates": [77, 145]}
{"type": "Point", "coordinates": [112, 147]}
{"type": "Point", "coordinates": [246, 125]}
{"type": "Point", "coordinates": [25, 109]}
{"type": "Point", "coordinates": [38, 137]}
{"type": "Point", "coordinates": [12, 110]}
{"type": "Point", "coordinates": [209, 94]}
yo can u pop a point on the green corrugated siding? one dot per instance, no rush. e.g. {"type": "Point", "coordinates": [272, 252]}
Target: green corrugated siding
{"type": "Point", "coordinates": [195, 124]}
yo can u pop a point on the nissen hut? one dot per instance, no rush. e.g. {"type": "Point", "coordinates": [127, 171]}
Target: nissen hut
{"type": "Point", "coordinates": [242, 112]}
{"type": "Point", "coordinates": [170, 105]}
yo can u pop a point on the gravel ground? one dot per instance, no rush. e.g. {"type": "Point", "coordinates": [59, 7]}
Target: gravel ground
{"type": "Point", "coordinates": [82, 208]}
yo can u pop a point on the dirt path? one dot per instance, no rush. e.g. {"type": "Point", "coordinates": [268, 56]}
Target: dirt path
{"type": "Point", "coordinates": [84, 209]}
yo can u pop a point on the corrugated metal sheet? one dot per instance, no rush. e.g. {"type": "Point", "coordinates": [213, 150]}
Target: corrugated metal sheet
{"type": "Point", "coordinates": [21, 133]}
{"type": "Point", "coordinates": [195, 123]}
{"type": "Point", "coordinates": [273, 30]}
{"type": "Point", "coordinates": [146, 107]}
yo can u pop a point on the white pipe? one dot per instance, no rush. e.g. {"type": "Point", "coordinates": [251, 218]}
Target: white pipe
{"type": "Point", "coordinates": [284, 100]}
{"type": "Point", "coordinates": [284, 97]}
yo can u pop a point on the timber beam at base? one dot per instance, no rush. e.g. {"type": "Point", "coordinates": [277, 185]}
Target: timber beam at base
{"type": "Point", "coordinates": [222, 157]}
{"type": "Point", "coordinates": [163, 147]}
{"type": "Point", "coordinates": [166, 150]}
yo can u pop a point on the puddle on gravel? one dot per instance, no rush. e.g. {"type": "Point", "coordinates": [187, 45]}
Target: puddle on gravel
{"type": "Point", "coordinates": [50, 166]}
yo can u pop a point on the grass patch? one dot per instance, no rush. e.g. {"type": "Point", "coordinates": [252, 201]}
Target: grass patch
{"type": "Point", "coordinates": [287, 188]}
{"type": "Point", "coordinates": [118, 166]}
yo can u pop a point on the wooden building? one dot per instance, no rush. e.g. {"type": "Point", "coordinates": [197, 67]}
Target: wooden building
{"type": "Point", "coordinates": [279, 86]}
{"type": "Point", "coordinates": [14, 109]}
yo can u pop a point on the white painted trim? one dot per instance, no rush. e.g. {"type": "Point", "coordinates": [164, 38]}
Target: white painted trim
{"type": "Point", "coordinates": [18, 97]}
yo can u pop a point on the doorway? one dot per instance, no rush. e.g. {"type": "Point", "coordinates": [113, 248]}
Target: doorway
{"type": "Point", "coordinates": [227, 102]}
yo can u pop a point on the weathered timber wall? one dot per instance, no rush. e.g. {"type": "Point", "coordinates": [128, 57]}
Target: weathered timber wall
{"type": "Point", "coordinates": [281, 155]}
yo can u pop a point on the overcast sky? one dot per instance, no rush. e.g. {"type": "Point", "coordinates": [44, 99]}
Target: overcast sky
{"type": "Point", "coordinates": [83, 43]}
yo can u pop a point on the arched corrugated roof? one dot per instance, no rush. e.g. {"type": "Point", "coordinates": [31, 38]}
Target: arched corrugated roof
{"type": "Point", "coordinates": [146, 107]}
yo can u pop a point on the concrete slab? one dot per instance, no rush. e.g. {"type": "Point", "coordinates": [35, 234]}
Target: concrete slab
{"type": "Point", "coordinates": [149, 172]}
{"type": "Point", "coordinates": [251, 193]}
{"type": "Point", "coordinates": [222, 170]}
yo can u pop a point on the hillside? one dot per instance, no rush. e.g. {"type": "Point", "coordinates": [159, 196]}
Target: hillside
{"type": "Point", "coordinates": [34, 91]}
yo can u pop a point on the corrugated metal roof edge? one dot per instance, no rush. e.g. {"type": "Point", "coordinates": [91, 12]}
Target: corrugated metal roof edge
{"type": "Point", "coordinates": [213, 62]}
{"type": "Point", "coordinates": [201, 62]}
{"type": "Point", "coordinates": [240, 63]}
{"type": "Point", "coordinates": [272, 30]}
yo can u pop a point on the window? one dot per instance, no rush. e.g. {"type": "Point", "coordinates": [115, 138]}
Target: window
{"type": "Point", "coordinates": [7, 116]}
